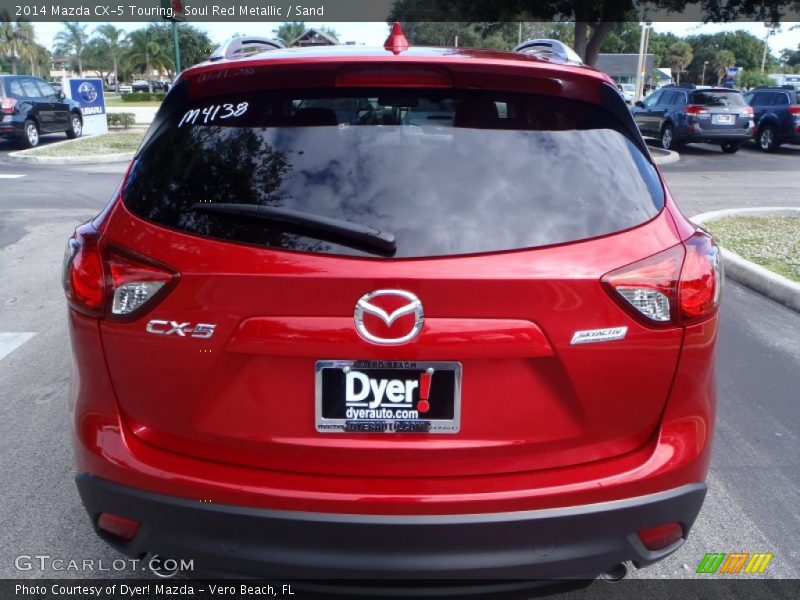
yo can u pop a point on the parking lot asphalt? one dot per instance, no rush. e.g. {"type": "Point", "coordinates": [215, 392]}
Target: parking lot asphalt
{"type": "Point", "coordinates": [705, 179]}
{"type": "Point", "coordinates": [754, 482]}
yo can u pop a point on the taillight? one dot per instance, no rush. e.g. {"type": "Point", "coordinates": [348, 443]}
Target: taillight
{"type": "Point", "coordinates": [701, 278]}
{"type": "Point", "coordinates": [83, 276]}
{"type": "Point", "coordinates": [7, 105]}
{"type": "Point", "coordinates": [694, 109]}
{"type": "Point", "coordinates": [747, 111]}
{"type": "Point", "coordinates": [679, 285]}
{"type": "Point", "coordinates": [794, 110]}
{"type": "Point", "coordinates": [109, 281]}
{"type": "Point", "coordinates": [649, 287]}
{"type": "Point", "coordinates": [133, 282]}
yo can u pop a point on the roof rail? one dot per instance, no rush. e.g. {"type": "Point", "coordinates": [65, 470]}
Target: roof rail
{"type": "Point", "coordinates": [241, 46]}
{"type": "Point", "coordinates": [553, 50]}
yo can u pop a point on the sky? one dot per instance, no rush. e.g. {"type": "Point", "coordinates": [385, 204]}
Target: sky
{"type": "Point", "coordinates": [374, 34]}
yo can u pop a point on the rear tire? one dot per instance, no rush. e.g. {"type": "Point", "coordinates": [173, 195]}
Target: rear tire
{"type": "Point", "coordinates": [768, 139]}
{"type": "Point", "coordinates": [668, 137]}
{"type": "Point", "coordinates": [75, 126]}
{"type": "Point", "coordinates": [731, 147]}
{"type": "Point", "coordinates": [30, 134]}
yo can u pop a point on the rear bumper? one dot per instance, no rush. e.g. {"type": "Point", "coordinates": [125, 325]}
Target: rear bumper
{"type": "Point", "coordinates": [10, 128]}
{"type": "Point", "coordinates": [225, 540]}
{"type": "Point", "coordinates": [716, 137]}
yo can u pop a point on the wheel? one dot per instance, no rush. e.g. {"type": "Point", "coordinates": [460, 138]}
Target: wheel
{"type": "Point", "coordinates": [767, 140]}
{"type": "Point", "coordinates": [668, 137]}
{"type": "Point", "coordinates": [30, 134]}
{"type": "Point", "coordinates": [75, 126]}
{"type": "Point", "coordinates": [731, 147]}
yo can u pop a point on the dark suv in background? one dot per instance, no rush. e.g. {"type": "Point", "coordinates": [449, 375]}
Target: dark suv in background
{"type": "Point", "coordinates": [30, 106]}
{"type": "Point", "coordinates": [777, 116]}
{"type": "Point", "coordinates": [684, 114]}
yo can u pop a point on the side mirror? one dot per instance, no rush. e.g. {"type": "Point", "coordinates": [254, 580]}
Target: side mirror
{"type": "Point", "coordinates": [640, 104]}
{"type": "Point", "coordinates": [62, 96]}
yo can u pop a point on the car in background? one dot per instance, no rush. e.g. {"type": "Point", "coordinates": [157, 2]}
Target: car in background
{"type": "Point", "coordinates": [307, 344]}
{"type": "Point", "coordinates": [685, 114]}
{"type": "Point", "coordinates": [140, 85]}
{"type": "Point", "coordinates": [30, 106]}
{"type": "Point", "coordinates": [125, 88]}
{"type": "Point", "coordinates": [777, 116]}
{"type": "Point", "coordinates": [627, 91]}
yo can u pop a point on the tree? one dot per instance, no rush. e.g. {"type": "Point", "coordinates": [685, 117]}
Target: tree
{"type": "Point", "coordinates": [17, 40]}
{"type": "Point", "coordinates": [97, 58]}
{"type": "Point", "coordinates": [498, 35]}
{"type": "Point", "coordinates": [195, 44]}
{"type": "Point", "coordinates": [115, 43]}
{"type": "Point", "coordinates": [790, 59]}
{"type": "Point", "coordinates": [751, 79]}
{"type": "Point", "coordinates": [145, 54]}
{"type": "Point", "coordinates": [678, 57]}
{"type": "Point", "coordinates": [747, 48]}
{"type": "Point", "coordinates": [623, 38]}
{"type": "Point", "coordinates": [723, 60]}
{"type": "Point", "coordinates": [659, 46]}
{"type": "Point", "coordinates": [594, 19]}
{"type": "Point", "coordinates": [71, 41]}
{"type": "Point", "coordinates": [289, 31]}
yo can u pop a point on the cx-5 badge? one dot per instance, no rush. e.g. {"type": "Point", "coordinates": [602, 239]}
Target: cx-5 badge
{"type": "Point", "coordinates": [372, 304]}
{"type": "Point", "coordinates": [589, 336]}
{"type": "Point", "coordinates": [201, 330]}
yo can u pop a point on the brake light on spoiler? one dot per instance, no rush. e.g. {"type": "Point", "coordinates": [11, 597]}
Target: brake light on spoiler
{"type": "Point", "coordinates": [682, 284]}
{"type": "Point", "coordinates": [397, 76]}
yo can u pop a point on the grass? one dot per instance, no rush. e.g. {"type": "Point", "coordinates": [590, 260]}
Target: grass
{"type": "Point", "coordinates": [107, 143]}
{"type": "Point", "coordinates": [121, 104]}
{"type": "Point", "coordinates": [772, 242]}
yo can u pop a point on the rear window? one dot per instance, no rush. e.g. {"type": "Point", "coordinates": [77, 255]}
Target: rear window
{"type": "Point", "coordinates": [717, 98]}
{"type": "Point", "coordinates": [443, 172]}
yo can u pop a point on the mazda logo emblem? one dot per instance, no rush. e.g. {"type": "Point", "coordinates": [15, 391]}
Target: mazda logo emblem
{"type": "Point", "coordinates": [371, 304]}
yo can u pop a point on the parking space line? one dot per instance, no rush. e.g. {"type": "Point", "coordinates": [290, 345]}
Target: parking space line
{"type": "Point", "coordinates": [9, 176]}
{"type": "Point", "coordinates": [12, 340]}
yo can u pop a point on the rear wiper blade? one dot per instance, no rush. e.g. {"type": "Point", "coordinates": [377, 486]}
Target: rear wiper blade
{"type": "Point", "coordinates": [340, 231]}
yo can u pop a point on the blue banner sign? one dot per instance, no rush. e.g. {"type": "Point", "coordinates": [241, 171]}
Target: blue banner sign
{"type": "Point", "coordinates": [88, 93]}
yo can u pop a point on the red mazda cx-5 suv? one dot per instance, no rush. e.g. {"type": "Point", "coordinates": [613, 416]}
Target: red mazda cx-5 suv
{"type": "Point", "coordinates": [395, 313]}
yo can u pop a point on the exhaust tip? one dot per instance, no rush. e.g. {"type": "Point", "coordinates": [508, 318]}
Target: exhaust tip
{"type": "Point", "coordinates": [615, 573]}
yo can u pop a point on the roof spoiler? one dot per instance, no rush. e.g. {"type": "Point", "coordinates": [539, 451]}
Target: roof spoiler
{"type": "Point", "coordinates": [552, 50]}
{"type": "Point", "coordinates": [242, 46]}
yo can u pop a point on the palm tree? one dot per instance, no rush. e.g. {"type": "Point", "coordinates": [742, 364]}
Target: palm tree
{"type": "Point", "coordinates": [678, 57]}
{"type": "Point", "coordinates": [115, 41]}
{"type": "Point", "coordinates": [15, 40]}
{"type": "Point", "coordinates": [27, 48]}
{"type": "Point", "coordinates": [72, 40]}
{"type": "Point", "coordinates": [144, 55]}
{"type": "Point", "coordinates": [6, 43]}
{"type": "Point", "coordinates": [289, 31]}
{"type": "Point", "coordinates": [722, 60]}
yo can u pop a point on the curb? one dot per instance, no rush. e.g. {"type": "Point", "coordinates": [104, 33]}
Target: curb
{"type": "Point", "coordinates": [663, 157]}
{"type": "Point", "coordinates": [25, 157]}
{"type": "Point", "coordinates": [770, 284]}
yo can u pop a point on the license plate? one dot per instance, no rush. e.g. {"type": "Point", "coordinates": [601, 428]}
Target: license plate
{"type": "Point", "coordinates": [722, 119]}
{"type": "Point", "coordinates": [354, 396]}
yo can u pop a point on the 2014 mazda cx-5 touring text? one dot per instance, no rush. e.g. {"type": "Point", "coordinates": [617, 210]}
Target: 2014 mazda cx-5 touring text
{"type": "Point", "coordinates": [393, 313]}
